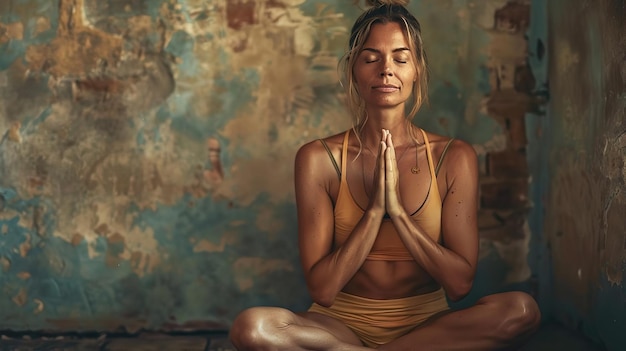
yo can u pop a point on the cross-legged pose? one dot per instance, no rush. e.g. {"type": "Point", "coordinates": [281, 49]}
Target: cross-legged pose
{"type": "Point", "coordinates": [387, 220]}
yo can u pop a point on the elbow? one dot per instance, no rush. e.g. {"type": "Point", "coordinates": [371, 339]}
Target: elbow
{"type": "Point", "coordinates": [324, 302]}
{"type": "Point", "coordinates": [459, 291]}
{"type": "Point", "coordinates": [322, 296]}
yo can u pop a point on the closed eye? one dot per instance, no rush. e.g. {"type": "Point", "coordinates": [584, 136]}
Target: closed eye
{"type": "Point", "coordinates": [401, 59]}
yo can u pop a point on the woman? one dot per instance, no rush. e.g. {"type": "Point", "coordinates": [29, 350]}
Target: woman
{"type": "Point", "coordinates": [381, 249]}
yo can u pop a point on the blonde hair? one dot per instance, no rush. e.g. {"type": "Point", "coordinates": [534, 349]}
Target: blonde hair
{"type": "Point", "coordinates": [383, 12]}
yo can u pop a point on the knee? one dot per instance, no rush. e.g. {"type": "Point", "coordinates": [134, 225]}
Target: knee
{"type": "Point", "coordinates": [252, 329]}
{"type": "Point", "coordinates": [247, 329]}
{"type": "Point", "coordinates": [521, 315]}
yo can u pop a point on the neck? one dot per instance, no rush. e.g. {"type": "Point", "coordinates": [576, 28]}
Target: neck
{"type": "Point", "coordinates": [397, 124]}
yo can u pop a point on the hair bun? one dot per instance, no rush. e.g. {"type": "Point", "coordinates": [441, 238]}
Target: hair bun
{"type": "Point", "coordinates": [387, 2]}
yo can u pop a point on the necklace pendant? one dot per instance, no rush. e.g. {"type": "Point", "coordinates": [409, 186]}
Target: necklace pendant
{"type": "Point", "coordinates": [415, 170]}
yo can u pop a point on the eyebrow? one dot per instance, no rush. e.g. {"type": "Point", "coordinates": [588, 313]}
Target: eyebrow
{"type": "Point", "coordinates": [378, 51]}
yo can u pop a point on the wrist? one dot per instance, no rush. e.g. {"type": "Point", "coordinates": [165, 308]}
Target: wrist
{"type": "Point", "coordinates": [375, 212]}
{"type": "Point", "coordinates": [396, 213]}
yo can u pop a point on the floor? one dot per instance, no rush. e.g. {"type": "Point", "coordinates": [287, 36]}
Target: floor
{"type": "Point", "coordinates": [550, 337]}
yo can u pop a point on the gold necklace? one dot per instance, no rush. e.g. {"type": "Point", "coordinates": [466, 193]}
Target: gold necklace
{"type": "Point", "coordinates": [415, 169]}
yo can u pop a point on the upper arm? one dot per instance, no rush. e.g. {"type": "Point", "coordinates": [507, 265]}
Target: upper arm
{"type": "Point", "coordinates": [314, 204]}
{"type": "Point", "coordinates": [460, 206]}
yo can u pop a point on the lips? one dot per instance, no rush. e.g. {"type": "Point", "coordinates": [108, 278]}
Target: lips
{"type": "Point", "coordinates": [386, 88]}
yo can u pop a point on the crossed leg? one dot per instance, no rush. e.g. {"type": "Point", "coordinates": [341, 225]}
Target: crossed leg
{"type": "Point", "coordinates": [496, 322]}
{"type": "Point", "coordinates": [273, 328]}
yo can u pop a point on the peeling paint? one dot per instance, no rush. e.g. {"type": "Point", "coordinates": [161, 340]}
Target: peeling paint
{"type": "Point", "coordinates": [75, 45]}
{"type": "Point", "coordinates": [11, 31]}
{"type": "Point", "coordinates": [148, 145]}
{"type": "Point", "coordinates": [39, 306]}
{"type": "Point", "coordinates": [21, 298]}
{"type": "Point", "coordinates": [5, 263]}
{"type": "Point", "coordinates": [43, 25]}
{"type": "Point", "coordinates": [23, 275]}
{"type": "Point", "coordinates": [25, 246]}
{"type": "Point", "coordinates": [204, 245]}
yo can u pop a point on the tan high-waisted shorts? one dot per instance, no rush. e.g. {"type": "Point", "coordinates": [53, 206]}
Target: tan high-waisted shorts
{"type": "Point", "coordinates": [377, 322]}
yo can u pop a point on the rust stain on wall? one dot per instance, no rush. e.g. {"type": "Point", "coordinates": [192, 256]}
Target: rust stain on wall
{"type": "Point", "coordinates": [5, 264]}
{"type": "Point", "coordinates": [11, 31]}
{"type": "Point", "coordinates": [43, 24]}
{"type": "Point", "coordinates": [240, 13]}
{"type": "Point", "coordinates": [514, 17]}
{"type": "Point", "coordinates": [503, 222]}
{"type": "Point", "coordinates": [204, 245]}
{"type": "Point", "coordinates": [14, 132]}
{"type": "Point", "coordinates": [76, 239]}
{"type": "Point", "coordinates": [23, 275]}
{"type": "Point", "coordinates": [21, 298]}
{"type": "Point", "coordinates": [25, 246]}
{"type": "Point", "coordinates": [76, 45]}
{"type": "Point", "coordinates": [286, 98]}
{"type": "Point", "coordinates": [39, 306]}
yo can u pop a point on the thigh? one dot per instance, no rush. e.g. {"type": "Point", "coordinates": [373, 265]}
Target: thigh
{"type": "Point", "coordinates": [277, 328]}
{"type": "Point", "coordinates": [494, 322]}
{"type": "Point", "coordinates": [329, 324]}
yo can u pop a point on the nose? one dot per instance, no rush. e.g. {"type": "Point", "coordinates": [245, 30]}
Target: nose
{"type": "Point", "coordinates": [386, 70]}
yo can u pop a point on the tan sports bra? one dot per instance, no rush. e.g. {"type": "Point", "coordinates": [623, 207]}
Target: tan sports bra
{"type": "Point", "coordinates": [388, 245]}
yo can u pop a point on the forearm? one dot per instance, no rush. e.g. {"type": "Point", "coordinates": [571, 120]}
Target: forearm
{"type": "Point", "coordinates": [328, 276]}
{"type": "Point", "coordinates": [445, 266]}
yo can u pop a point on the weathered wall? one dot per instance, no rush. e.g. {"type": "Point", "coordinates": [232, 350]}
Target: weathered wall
{"type": "Point", "coordinates": [585, 224]}
{"type": "Point", "coordinates": [147, 149]}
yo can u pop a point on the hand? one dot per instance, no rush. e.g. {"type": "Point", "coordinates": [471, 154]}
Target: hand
{"type": "Point", "coordinates": [377, 201]}
{"type": "Point", "coordinates": [393, 205]}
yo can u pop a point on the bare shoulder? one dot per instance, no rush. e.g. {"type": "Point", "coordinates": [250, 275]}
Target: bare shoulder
{"type": "Point", "coordinates": [460, 164]}
{"type": "Point", "coordinates": [460, 151]}
{"type": "Point", "coordinates": [314, 150]}
{"type": "Point", "coordinates": [314, 161]}
{"type": "Point", "coordinates": [459, 155]}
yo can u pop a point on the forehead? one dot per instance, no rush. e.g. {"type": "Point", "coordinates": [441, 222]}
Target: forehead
{"type": "Point", "coordinates": [386, 35]}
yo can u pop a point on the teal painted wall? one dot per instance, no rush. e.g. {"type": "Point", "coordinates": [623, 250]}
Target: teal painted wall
{"type": "Point", "coordinates": [584, 160]}
{"type": "Point", "coordinates": [147, 150]}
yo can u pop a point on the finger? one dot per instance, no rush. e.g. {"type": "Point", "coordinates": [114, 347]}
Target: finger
{"type": "Point", "coordinates": [389, 160]}
{"type": "Point", "coordinates": [392, 153]}
{"type": "Point", "coordinates": [389, 140]}
{"type": "Point", "coordinates": [390, 146]}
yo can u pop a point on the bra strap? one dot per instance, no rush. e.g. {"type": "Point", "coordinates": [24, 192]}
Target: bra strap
{"type": "Point", "coordinates": [443, 155]}
{"type": "Point", "coordinates": [430, 157]}
{"type": "Point", "coordinates": [332, 158]}
{"type": "Point", "coordinates": [344, 155]}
